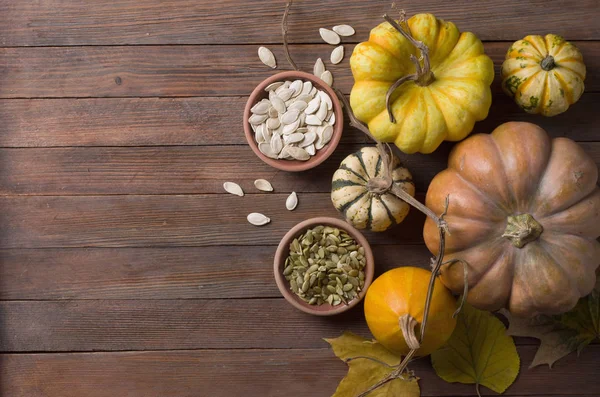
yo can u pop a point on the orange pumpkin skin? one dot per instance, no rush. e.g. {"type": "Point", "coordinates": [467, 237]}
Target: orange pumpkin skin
{"type": "Point", "coordinates": [403, 291]}
{"type": "Point", "coordinates": [519, 170]}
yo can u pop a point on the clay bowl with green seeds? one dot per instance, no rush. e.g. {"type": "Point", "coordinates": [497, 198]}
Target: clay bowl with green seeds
{"type": "Point", "coordinates": [323, 266]}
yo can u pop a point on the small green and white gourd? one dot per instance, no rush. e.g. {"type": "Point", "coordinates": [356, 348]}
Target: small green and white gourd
{"type": "Point", "coordinates": [365, 209]}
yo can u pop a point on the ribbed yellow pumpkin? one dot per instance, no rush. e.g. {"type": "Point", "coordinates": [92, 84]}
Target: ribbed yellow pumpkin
{"type": "Point", "coordinates": [443, 105]}
{"type": "Point", "coordinates": [543, 74]}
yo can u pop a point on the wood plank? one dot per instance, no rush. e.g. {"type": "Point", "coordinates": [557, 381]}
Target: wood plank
{"type": "Point", "coordinates": [147, 71]}
{"type": "Point", "coordinates": [159, 273]}
{"type": "Point", "coordinates": [180, 170]}
{"type": "Point", "coordinates": [55, 22]}
{"type": "Point", "coordinates": [167, 221]}
{"type": "Point", "coordinates": [208, 121]}
{"type": "Point", "coordinates": [267, 373]}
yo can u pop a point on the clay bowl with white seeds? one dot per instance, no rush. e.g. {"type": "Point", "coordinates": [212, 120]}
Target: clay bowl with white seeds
{"type": "Point", "coordinates": [296, 123]}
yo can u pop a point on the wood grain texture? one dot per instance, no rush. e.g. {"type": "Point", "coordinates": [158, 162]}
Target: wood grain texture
{"type": "Point", "coordinates": [159, 273]}
{"type": "Point", "coordinates": [149, 71]}
{"type": "Point", "coordinates": [167, 221]}
{"type": "Point", "coordinates": [86, 22]}
{"type": "Point", "coordinates": [209, 121]}
{"type": "Point", "coordinates": [181, 170]}
{"type": "Point", "coordinates": [265, 373]}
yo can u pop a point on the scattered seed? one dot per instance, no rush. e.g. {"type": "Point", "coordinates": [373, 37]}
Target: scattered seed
{"type": "Point", "coordinates": [263, 185]}
{"type": "Point", "coordinates": [258, 219]}
{"type": "Point", "coordinates": [337, 55]}
{"type": "Point", "coordinates": [329, 36]}
{"type": "Point", "coordinates": [267, 57]}
{"type": "Point", "coordinates": [344, 30]}
{"type": "Point", "coordinates": [292, 201]}
{"type": "Point", "coordinates": [233, 188]}
{"type": "Point", "coordinates": [327, 77]}
{"type": "Point", "coordinates": [319, 68]}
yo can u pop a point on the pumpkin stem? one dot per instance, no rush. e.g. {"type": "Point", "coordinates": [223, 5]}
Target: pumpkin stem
{"type": "Point", "coordinates": [423, 75]}
{"type": "Point", "coordinates": [522, 229]}
{"type": "Point", "coordinates": [284, 31]}
{"type": "Point", "coordinates": [548, 62]}
{"type": "Point", "coordinates": [407, 326]}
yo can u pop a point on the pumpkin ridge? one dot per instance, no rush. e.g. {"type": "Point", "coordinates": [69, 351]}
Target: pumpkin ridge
{"type": "Point", "coordinates": [377, 167]}
{"type": "Point", "coordinates": [400, 63]}
{"type": "Point", "coordinates": [542, 53]}
{"type": "Point", "coordinates": [343, 208]}
{"type": "Point", "coordinates": [390, 215]}
{"type": "Point", "coordinates": [526, 82]}
{"type": "Point", "coordinates": [361, 160]}
{"type": "Point", "coordinates": [558, 210]}
{"type": "Point", "coordinates": [565, 87]}
{"type": "Point", "coordinates": [561, 64]}
{"type": "Point", "coordinates": [370, 214]}
{"type": "Point", "coordinates": [482, 194]}
{"type": "Point", "coordinates": [513, 194]}
{"type": "Point", "coordinates": [345, 168]}
{"type": "Point", "coordinates": [342, 183]}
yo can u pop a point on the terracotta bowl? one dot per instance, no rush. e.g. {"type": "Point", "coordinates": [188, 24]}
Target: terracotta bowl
{"type": "Point", "coordinates": [283, 252]}
{"type": "Point", "coordinates": [259, 93]}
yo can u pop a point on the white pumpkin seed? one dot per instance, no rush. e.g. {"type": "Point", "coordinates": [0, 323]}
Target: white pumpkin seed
{"type": "Point", "coordinates": [272, 94]}
{"type": "Point", "coordinates": [298, 105]}
{"type": "Point", "coordinates": [294, 138]}
{"type": "Point", "coordinates": [344, 30]}
{"type": "Point", "coordinates": [233, 188]}
{"type": "Point", "coordinates": [290, 116]}
{"type": "Point", "coordinates": [267, 134]}
{"type": "Point", "coordinates": [322, 112]}
{"type": "Point", "coordinates": [273, 86]}
{"type": "Point", "coordinates": [276, 144]}
{"type": "Point", "coordinates": [308, 139]}
{"type": "Point", "coordinates": [258, 219]}
{"type": "Point", "coordinates": [306, 87]}
{"type": "Point", "coordinates": [327, 77]}
{"type": "Point", "coordinates": [286, 94]}
{"type": "Point", "coordinates": [304, 98]}
{"type": "Point", "coordinates": [302, 130]}
{"type": "Point", "coordinates": [284, 153]}
{"type": "Point", "coordinates": [298, 153]}
{"type": "Point", "coordinates": [314, 91]}
{"type": "Point", "coordinates": [297, 86]}
{"type": "Point", "coordinates": [258, 118]}
{"type": "Point", "coordinates": [263, 185]}
{"type": "Point", "coordinates": [331, 119]}
{"type": "Point", "coordinates": [261, 107]}
{"type": "Point", "coordinates": [290, 128]}
{"type": "Point", "coordinates": [326, 134]}
{"type": "Point", "coordinates": [319, 68]}
{"type": "Point", "coordinates": [273, 112]}
{"type": "Point", "coordinates": [327, 99]}
{"type": "Point", "coordinates": [337, 55]}
{"type": "Point", "coordinates": [267, 57]}
{"type": "Point", "coordinates": [329, 36]}
{"type": "Point", "coordinates": [278, 104]}
{"type": "Point", "coordinates": [273, 123]}
{"type": "Point", "coordinates": [312, 119]}
{"type": "Point", "coordinates": [259, 133]}
{"type": "Point", "coordinates": [265, 148]}
{"type": "Point", "coordinates": [310, 149]}
{"type": "Point", "coordinates": [313, 105]}
{"type": "Point", "coordinates": [292, 201]}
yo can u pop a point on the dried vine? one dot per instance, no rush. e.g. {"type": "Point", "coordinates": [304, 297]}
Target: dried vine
{"type": "Point", "coordinates": [423, 75]}
{"type": "Point", "coordinates": [284, 32]}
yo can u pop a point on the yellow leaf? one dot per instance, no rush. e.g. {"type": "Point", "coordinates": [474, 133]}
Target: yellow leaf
{"type": "Point", "coordinates": [562, 334]}
{"type": "Point", "coordinates": [479, 352]}
{"type": "Point", "coordinates": [370, 363]}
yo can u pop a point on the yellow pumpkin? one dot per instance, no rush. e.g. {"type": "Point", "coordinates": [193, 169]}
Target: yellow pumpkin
{"type": "Point", "coordinates": [402, 291]}
{"type": "Point", "coordinates": [442, 105]}
{"type": "Point", "coordinates": [543, 74]}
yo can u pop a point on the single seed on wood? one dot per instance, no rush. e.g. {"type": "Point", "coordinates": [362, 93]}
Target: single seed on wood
{"type": "Point", "coordinates": [327, 77]}
{"type": "Point", "coordinates": [258, 219]}
{"type": "Point", "coordinates": [329, 36]}
{"type": "Point", "coordinates": [344, 30]}
{"type": "Point", "coordinates": [337, 55]}
{"type": "Point", "coordinates": [233, 188]}
{"type": "Point", "coordinates": [267, 57]}
{"type": "Point", "coordinates": [263, 185]}
{"type": "Point", "coordinates": [292, 201]}
{"type": "Point", "coordinates": [319, 68]}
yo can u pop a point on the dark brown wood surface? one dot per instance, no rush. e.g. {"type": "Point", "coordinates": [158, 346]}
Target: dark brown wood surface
{"type": "Point", "coordinates": [125, 270]}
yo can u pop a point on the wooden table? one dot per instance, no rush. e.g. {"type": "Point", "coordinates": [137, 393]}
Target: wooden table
{"type": "Point", "coordinates": [125, 270]}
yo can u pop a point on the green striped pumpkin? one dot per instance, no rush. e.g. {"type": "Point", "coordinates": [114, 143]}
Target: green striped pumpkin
{"type": "Point", "coordinates": [361, 208]}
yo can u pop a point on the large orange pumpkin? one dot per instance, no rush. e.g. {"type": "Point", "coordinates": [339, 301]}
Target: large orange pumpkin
{"type": "Point", "coordinates": [402, 291]}
{"type": "Point", "coordinates": [524, 214]}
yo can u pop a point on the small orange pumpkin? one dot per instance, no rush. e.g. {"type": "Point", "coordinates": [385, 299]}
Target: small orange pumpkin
{"type": "Point", "coordinates": [524, 213]}
{"type": "Point", "coordinates": [400, 292]}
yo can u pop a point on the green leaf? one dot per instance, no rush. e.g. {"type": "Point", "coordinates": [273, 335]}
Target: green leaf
{"type": "Point", "coordinates": [364, 372]}
{"type": "Point", "coordinates": [479, 352]}
{"type": "Point", "coordinates": [562, 334]}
